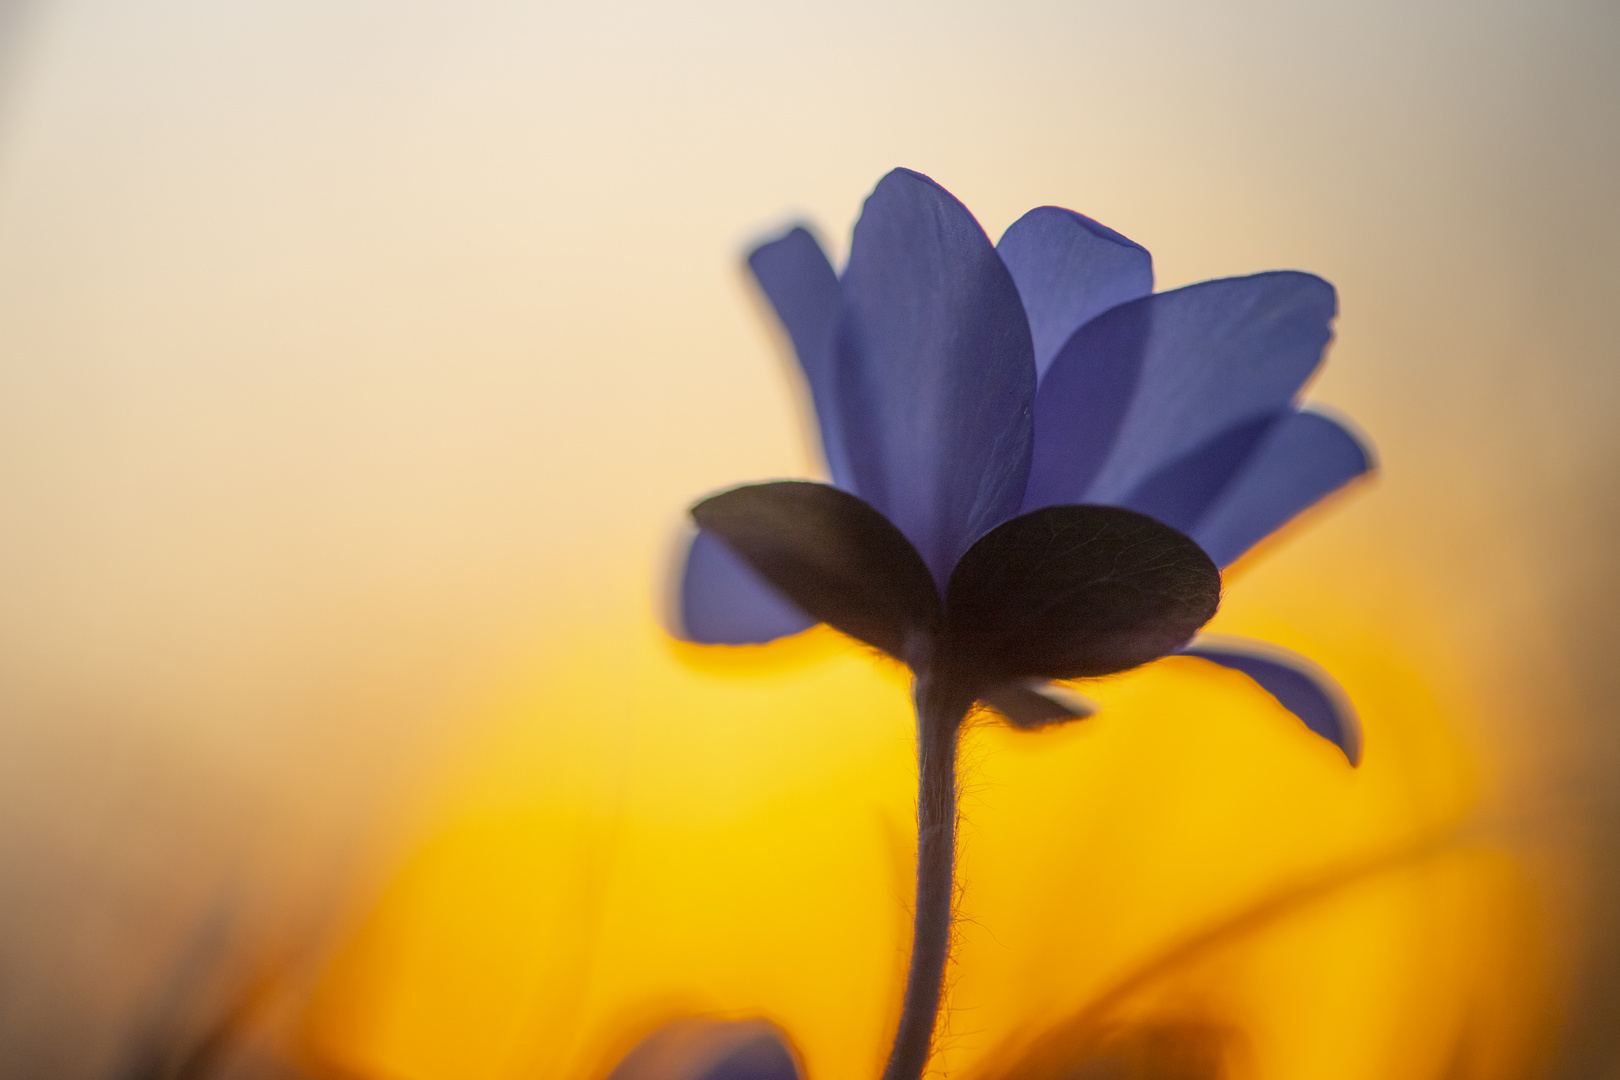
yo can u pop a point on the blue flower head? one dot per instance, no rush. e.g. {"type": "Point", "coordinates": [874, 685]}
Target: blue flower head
{"type": "Point", "coordinates": [1038, 464]}
{"type": "Point", "coordinates": [1039, 468]}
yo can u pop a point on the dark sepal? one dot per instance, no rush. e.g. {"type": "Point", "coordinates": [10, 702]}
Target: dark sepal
{"type": "Point", "coordinates": [1074, 591]}
{"type": "Point", "coordinates": [834, 556]}
{"type": "Point", "coordinates": [1034, 705]}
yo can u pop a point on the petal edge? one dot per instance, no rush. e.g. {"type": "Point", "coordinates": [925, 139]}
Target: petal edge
{"type": "Point", "coordinates": [1069, 269]}
{"type": "Point", "coordinates": [1296, 684]}
{"type": "Point", "coordinates": [724, 601]}
{"type": "Point", "coordinates": [934, 370]}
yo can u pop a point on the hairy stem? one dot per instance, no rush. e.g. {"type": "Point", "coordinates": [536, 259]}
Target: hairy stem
{"type": "Point", "coordinates": [940, 711]}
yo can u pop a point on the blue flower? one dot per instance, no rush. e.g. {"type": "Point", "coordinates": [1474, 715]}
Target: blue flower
{"type": "Point", "coordinates": [960, 384]}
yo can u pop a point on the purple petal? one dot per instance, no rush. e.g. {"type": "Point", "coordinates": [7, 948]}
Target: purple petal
{"type": "Point", "coordinates": [934, 369]}
{"type": "Point", "coordinates": [1069, 269]}
{"type": "Point", "coordinates": [699, 1048]}
{"type": "Point", "coordinates": [800, 283]}
{"type": "Point", "coordinates": [1181, 492]}
{"type": "Point", "coordinates": [836, 558]}
{"type": "Point", "coordinates": [1081, 402]}
{"type": "Point", "coordinates": [1302, 458]}
{"type": "Point", "coordinates": [724, 601]}
{"type": "Point", "coordinates": [1147, 383]}
{"type": "Point", "coordinates": [1298, 685]}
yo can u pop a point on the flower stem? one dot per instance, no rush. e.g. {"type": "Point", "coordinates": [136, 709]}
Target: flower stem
{"type": "Point", "coordinates": [940, 711]}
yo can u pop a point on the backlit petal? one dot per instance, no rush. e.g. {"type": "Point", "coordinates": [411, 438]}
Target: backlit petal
{"type": "Point", "coordinates": [1180, 493]}
{"type": "Point", "coordinates": [1069, 269]}
{"type": "Point", "coordinates": [1302, 459]}
{"type": "Point", "coordinates": [1147, 383]}
{"type": "Point", "coordinates": [1071, 592]}
{"type": "Point", "coordinates": [801, 285]}
{"type": "Point", "coordinates": [934, 369]}
{"type": "Point", "coordinates": [724, 601]}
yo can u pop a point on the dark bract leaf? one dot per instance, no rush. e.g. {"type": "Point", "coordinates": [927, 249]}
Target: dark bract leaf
{"type": "Point", "coordinates": [836, 558]}
{"type": "Point", "coordinates": [1037, 704]}
{"type": "Point", "coordinates": [1074, 591]}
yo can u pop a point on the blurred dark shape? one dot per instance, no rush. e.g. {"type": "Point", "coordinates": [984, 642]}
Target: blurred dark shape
{"type": "Point", "coordinates": [207, 1021]}
{"type": "Point", "coordinates": [226, 1049]}
{"type": "Point", "coordinates": [1096, 1044]}
{"type": "Point", "coordinates": [1070, 592]}
{"type": "Point", "coordinates": [1164, 1049]}
{"type": "Point", "coordinates": [182, 1054]}
{"type": "Point", "coordinates": [699, 1048]}
{"type": "Point", "coordinates": [1587, 592]}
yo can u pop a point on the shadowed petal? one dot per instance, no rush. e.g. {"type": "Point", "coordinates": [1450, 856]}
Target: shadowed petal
{"type": "Point", "coordinates": [1181, 492]}
{"type": "Point", "coordinates": [801, 285]}
{"type": "Point", "coordinates": [836, 558]}
{"type": "Point", "coordinates": [703, 1049]}
{"type": "Point", "coordinates": [1298, 685]}
{"type": "Point", "coordinates": [935, 372]}
{"type": "Point", "coordinates": [1074, 591]}
{"type": "Point", "coordinates": [1147, 383]}
{"type": "Point", "coordinates": [1303, 458]}
{"type": "Point", "coordinates": [725, 602]}
{"type": "Point", "coordinates": [1069, 269]}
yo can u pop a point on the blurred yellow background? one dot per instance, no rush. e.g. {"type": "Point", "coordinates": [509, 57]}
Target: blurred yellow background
{"type": "Point", "coordinates": [358, 360]}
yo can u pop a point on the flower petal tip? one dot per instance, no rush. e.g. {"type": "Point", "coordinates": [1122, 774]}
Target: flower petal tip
{"type": "Point", "coordinates": [1296, 683]}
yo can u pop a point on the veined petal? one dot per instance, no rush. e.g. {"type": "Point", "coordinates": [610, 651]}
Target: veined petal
{"type": "Point", "coordinates": [1069, 269]}
{"type": "Point", "coordinates": [1147, 383]}
{"type": "Point", "coordinates": [1298, 685]}
{"type": "Point", "coordinates": [934, 370]}
{"type": "Point", "coordinates": [801, 285]}
{"type": "Point", "coordinates": [1304, 457]}
{"type": "Point", "coordinates": [724, 601]}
